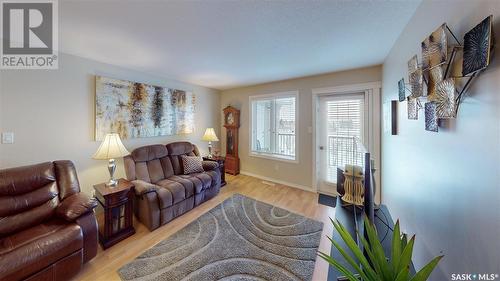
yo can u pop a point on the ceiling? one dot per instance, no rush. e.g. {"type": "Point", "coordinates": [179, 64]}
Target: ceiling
{"type": "Point", "coordinates": [228, 44]}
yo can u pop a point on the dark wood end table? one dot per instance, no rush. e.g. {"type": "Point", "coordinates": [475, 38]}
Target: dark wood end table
{"type": "Point", "coordinates": [116, 223]}
{"type": "Point", "coordinates": [220, 161]}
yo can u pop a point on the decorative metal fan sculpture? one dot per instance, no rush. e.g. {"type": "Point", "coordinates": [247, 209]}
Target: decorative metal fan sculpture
{"type": "Point", "coordinates": [434, 48]}
{"type": "Point", "coordinates": [412, 108]}
{"type": "Point", "coordinates": [445, 98]}
{"type": "Point", "coordinates": [431, 120]}
{"type": "Point", "coordinates": [477, 47]}
{"type": "Point", "coordinates": [402, 89]}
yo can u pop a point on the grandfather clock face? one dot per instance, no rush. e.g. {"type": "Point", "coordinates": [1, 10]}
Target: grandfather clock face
{"type": "Point", "coordinates": [230, 119]}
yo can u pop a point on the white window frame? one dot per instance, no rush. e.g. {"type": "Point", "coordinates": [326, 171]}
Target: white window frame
{"type": "Point", "coordinates": [272, 156]}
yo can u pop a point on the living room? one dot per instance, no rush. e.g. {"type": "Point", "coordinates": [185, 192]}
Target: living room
{"type": "Point", "coordinates": [207, 140]}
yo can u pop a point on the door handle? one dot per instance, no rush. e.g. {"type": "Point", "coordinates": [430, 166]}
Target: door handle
{"type": "Point", "coordinates": [321, 147]}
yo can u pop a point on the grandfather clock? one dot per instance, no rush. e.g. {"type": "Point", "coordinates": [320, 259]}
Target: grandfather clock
{"type": "Point", "coordinates": [232, 123]}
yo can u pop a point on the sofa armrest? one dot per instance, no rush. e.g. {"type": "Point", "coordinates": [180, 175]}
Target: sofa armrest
{"type": "Point", "coordinates": [75, 206]}
{"type": "Point", "coordinates": [142, 187]}
{"type": "Point", "coordinates": [210, 165]}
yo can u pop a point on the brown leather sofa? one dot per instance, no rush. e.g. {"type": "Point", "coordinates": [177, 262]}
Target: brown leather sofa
{"type": "Point", "coordinates": [47, 227]}
{"type": "Point", "coordinates": [162, 190]}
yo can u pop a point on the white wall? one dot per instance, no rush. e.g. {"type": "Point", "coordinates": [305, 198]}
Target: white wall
{"type": "Point", "coordinates": [299, 174]}
{"type": "Point", "coordinates": [445, 186]}
{"type": "Point", "coordinates": [51, 113]}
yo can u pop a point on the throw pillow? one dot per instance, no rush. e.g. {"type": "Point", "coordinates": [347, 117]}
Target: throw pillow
{"type": "Point", "coordinates": [192, 164]}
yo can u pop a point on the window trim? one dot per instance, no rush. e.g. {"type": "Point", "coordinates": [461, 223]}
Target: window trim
{"type": "Point", "coordinates": [272, 156]}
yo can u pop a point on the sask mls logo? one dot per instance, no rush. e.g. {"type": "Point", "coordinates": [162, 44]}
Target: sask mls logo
{"type": "Point", "coordinates": [29, 34]}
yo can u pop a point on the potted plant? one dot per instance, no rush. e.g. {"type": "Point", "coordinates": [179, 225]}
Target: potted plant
{"type": "Point", "coordinates": [376, 266]}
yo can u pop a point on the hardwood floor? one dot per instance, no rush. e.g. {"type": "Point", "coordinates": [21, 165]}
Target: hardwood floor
{"type": "Point", "coordinates": [105, 265]}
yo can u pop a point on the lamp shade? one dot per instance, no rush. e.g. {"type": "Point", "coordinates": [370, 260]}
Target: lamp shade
{"type": "Point", "coordinates": [210, 135]}
{"type": "Point", "coordinates": [112, 147]}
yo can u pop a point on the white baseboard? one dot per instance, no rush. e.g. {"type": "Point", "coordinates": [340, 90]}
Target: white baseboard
{"type": "Point", "coordinates": [294, 185]}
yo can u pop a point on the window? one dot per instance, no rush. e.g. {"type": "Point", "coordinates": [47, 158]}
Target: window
{"type": "Point", "coordinates": [273, 128]}
{"type": "Point", "coordinates": [344, 132]}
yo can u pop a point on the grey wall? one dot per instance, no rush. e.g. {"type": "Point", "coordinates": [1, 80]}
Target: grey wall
{"type": "Point", "coordinates": [445, 186]}
{"type": "Point", "coordinates": [51, 113]}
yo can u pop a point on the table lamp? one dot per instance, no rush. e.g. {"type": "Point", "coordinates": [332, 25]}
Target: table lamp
{"type": "Point", "coordinates": [111, 148]}
{"type": "Point", "coordinates": [210, 136]}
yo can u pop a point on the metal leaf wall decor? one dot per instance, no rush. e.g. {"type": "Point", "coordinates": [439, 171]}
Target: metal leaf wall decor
{"type": "Point", "coordinates": [443, 89]}
{"type": "Point", "coordinates": [445, 98]}
{"type": "Point", "coordinates": [435, 76]}
{"type": "Point", "coordinates": [413, 64]}
{"type": "Point", "coordinates": [417, 84]}
{"type": "Point", "coordinates": [402, 89]}
{"type": "Point", "coordinates": [415, 77]}
{"type": "Point", "coordinates": [431, 120]}
{"type": "Point", "coordinates": [412, 108]}
{"type": "Point", "coordinates": [477, 47]}
{"type": "Point", "coordinates": [435, 48]}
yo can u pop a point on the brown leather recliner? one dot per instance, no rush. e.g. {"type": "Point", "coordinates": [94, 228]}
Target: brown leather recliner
{"type": "Point", "coordinates": [162, 190]}
{"type": "Point", "coordinates": [47, 227]}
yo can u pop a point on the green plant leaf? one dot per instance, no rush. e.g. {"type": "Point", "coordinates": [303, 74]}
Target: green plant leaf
{"type": "Point", "coordinates": [352, 245]}
{"type": "Point", "coordinates": [404, 241]}
{"type": "Point", "coordinates": [378, 251]}
{"type": "Point", "coordinates": [339, 266]}
{"type": "Point", "coordinates": [403, 275]}
{"type": "Point", "coordinates": [350, 260]}
{"type": "Point", "coordinates": [396, 247]}
{"type": "Point", "coordinates": [366, 246]}
{"type": "Point", "coordinates": [405, 260]}
{"type": "Point", "coordinates": [426, 271]}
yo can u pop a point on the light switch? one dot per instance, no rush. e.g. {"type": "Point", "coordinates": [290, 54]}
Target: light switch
{"type": "Point", "coordinates": [7, 138]}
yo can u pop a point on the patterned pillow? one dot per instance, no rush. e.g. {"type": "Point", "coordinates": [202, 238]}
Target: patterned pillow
{"type": "Point", "coordinates": [192, 164]}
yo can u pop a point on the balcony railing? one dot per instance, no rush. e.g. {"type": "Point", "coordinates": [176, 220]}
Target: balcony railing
{"type": "Point", "coordinates": [343, 150]}
{"type": "Point", "coordinates": [286, 144]}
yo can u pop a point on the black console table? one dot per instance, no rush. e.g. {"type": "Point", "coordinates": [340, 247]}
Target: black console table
{"type": "Point", "coordinates": [383, 223]}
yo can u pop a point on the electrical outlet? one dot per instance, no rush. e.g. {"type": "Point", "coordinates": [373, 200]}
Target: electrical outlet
{"type": "Point", "coordinates": [8, 138]}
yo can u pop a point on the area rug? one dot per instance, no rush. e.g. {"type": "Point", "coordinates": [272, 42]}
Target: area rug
{"type": "Point", "coordinates": [239, 239]}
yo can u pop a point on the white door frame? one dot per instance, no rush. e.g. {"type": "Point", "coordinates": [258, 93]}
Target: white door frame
{"type": "Point", "coordinates": [372, 91]}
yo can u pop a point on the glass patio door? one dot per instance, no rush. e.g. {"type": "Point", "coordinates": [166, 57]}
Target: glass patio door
{"type": "Point", "coordinates": [341, 136]}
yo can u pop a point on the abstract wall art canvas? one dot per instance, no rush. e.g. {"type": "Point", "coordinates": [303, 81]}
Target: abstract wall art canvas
{"type": "Point", "coordinates": [477, 47]}
{"type": "Point", "coordinates": [138, 110]}
{"type": "Point", "coordinates": [434, 48]}
{"type": "Point", "coordinates": [402, 89]}
{"type": "Point", "coordinates": [412, 108]}
{"type": "Point", "coordinates": [445, 98]}
{"type": "Point", "coordinates": [431, 120]}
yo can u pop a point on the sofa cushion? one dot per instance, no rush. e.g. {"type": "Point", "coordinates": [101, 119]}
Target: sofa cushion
{"type": "Point", "coordinates": [202, 180]}
{"type": "Point", "coordinates": [175, 150]}
{"type": "Point", "coordinates": [192, 164]}
{"type": "Point", "coordinates": [176, 189]}
{"type": "Point", "coordinates": [30, 250]}
{"type": "Point", "coordinates": [189, 180]}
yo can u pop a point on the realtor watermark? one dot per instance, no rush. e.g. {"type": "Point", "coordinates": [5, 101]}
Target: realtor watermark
{"type": "Point", "coordinates": [475, 276]}
{"type": "Point", "coordinates": [29, 34]}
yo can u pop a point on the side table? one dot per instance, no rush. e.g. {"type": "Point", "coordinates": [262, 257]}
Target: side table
{"type": "Point", "coordinates": [116, 223]}
{"type": "Point", "coordinates": [220, 161]}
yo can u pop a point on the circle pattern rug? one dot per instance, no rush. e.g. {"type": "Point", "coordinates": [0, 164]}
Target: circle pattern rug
{"type": "Point", "coordinates": [239, 239]}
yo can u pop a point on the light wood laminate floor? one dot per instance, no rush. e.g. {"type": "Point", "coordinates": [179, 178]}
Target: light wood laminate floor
{"type": "Point", "coordinates": [105, 265]}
